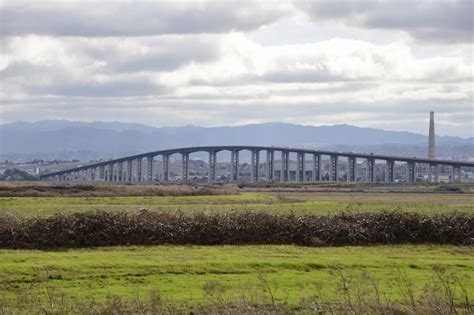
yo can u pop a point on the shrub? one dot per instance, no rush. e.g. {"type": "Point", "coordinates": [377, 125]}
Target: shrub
{"type": "Point", "coordinates": [145, 227]}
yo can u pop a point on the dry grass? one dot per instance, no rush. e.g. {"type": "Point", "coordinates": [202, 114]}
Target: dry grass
{"type": "Point", "coordinates": [45, 189]}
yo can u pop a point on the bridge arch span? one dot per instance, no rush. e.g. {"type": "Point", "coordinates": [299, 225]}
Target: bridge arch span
{"type": "Point", "coordinates": [139, 167]}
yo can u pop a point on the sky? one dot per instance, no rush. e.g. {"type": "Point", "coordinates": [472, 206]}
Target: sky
{"type": "Point", "coordinates": [369, 63]}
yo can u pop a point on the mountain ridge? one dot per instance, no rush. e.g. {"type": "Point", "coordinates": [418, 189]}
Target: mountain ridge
{"type": "Point", "coordinates": [114, 138]}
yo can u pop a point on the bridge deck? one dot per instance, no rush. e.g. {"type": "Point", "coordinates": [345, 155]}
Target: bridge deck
{"type": "Point", "coordinates": [238, 148]}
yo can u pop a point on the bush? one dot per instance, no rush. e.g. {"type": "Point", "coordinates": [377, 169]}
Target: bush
{"type": "Point", "coordinates": [152, 228]}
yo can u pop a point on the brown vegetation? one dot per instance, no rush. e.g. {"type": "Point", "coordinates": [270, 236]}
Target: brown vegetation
{"type": "Point", "coordinates": [152, 228]}
{"type": "Point", "coordinates": [103, 190]}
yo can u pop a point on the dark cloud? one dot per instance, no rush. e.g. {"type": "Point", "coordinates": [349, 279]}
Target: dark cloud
{"type": "Point", "coordinates": [135, 18]}
{"type": "Point", "coordinates": [439, 20]}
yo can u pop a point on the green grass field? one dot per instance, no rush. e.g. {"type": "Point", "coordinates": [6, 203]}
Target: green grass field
{"type": "Point", "coordinates": [287, 202]}
{"type": "Point", "coordinates": [181, 272]}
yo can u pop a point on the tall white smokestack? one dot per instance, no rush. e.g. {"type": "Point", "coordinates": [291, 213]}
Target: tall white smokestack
{"type": "Point", "coordinates": [431, 141]}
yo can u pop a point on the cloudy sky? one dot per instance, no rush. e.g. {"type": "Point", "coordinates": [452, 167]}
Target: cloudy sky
{"type": "Point", "coordinates": [375, 63]}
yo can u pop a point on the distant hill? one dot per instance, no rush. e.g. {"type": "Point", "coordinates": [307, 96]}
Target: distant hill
{"type": "Point", "coordinates": [61, 139]}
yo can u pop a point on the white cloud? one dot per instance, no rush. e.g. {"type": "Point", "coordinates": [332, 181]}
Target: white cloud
{"type": "Point", "coordinates": [331, 60]}
{"type": "Point", "coordinates": [167, 64]}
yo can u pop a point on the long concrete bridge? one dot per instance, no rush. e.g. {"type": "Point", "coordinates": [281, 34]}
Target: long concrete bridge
{"type": "Point", "coordinates": [132, 168]}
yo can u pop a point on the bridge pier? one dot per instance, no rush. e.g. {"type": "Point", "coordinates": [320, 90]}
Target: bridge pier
{"type": "Point", "coordinates": [166, 167]}
{"type": "Point", "coordinates": [351, 169]}
{"type": "Point", "coordinates": [316, 174]}
{"type": "Point", "coordinates": [254, 163]}
{"type": "Point", "coordinates": [184, 166]}
{"type": "Point", "coordinates": [430, 173]}
{"type": "Point", "coordinates": [120, 172]}
{"type": "Point", "coordinates": [211, 175]}
{"type": "Point", "coordinates": [457, 174]}
{"type": "Point", "coordinates": [436, 173]}
{"type": "Point", "coordinates": [110, 172]}
{"type": "Point", "coordinates": [389, 178]}
{"type": "Point", "coordinates": [139, 169]}
{"type": "Point", "coordinates": [285, 166]}
{"type": "Point", "coordinates": [270, 165]}
{"type": "Point", "coordinates": [370, 170]}
{"type": "Point", "coordinates": [149, 168]}
{"type": "Point", "coordinates": [300, 167]}
{"type": "Point", "coordinates": [234, 165]}
{"type": "Point", "coordinates": [411, 172]}
{"type": "Point", "coordinates": [334, 169]}
{"type": "Point", "coordinates": [128, 177]}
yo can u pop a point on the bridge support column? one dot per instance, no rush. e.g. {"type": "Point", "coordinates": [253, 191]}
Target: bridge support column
{"type": "Point", "coordinates": [234, 165]}
{"type": "Point", "coordinates": [300, 167]}
{"type": "Point", "coordinates": [334, 168]}
{"type": "Point", "coordinates": [436, 173]}
{"type": "Point", "coordinates": [411, 174]}
{"type": "Point", "coordinates": [316, 175]}
{"type": "Point", "coordinates": [389, 171]}
{"type": "Point", "coordinates": [285, 166]}
{"type": "Point", "coordinates": [270, 164]}
{"type": "Point", "coordinates": [120, 171]}
{"type": "Point", "coordinates": [254, 165]}
{"type": "Point", "coordinates": [110, 173]}
{"type": "Point", "coordinates": [430, 173]}
{"type": "Point", "coordinates": [211, 174]}
{"type": "Point", "coordinates": [351, 169]}
{"type": "Point", "coordinates": [139, 169]}
{"type": "Point", "coordinates": [129, 170]}
{"type": "Point", "coordinates": [166, 167]}
{"type": "Point", "coordinates": [184, 166]}
{"type": "Point", "coordinates": [149, 168]}
{"type": "Point", "coordinates": [370, 170]}
{"type": "Point", "coordinates": [100, 173]}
